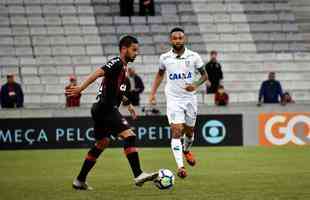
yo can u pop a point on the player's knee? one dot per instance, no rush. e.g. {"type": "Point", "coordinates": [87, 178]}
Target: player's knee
{"type": "Point", "coordinates": [176, 131]}
{"type": "Point", "coordinates": [130, 145]}
{"type": "Point", "coordinates": [189, 131]}
{"type": "Point", "coordinates": [102, 144]}
{"type": "Point", "coordinates": [176, 135]}
{"type": "Point", "coordinates": [127, 133]}
{"type": "Point", "coordinates": [95, 152]}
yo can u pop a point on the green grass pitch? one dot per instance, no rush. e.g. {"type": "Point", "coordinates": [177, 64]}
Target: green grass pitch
{"type": "Point", "coordinates": [225, 173]}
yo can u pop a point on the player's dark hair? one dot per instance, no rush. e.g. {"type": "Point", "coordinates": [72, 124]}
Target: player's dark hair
{"type": "Point", "coordinates": [213, 52]}
{"type": "Point", "coordinates": [126, 41]}
{"type": "Point", "coordinates": [177, 29]}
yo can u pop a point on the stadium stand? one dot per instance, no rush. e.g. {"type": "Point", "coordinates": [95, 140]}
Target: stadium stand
{"type": "Point", "coordinates": [45, 41]}
{"type": "Point", "coordinates": [301, 9]}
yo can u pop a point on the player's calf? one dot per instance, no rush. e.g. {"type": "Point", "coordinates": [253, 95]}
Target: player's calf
{"type": "Point", "coordinates": [132, 155]}
{"type": "Point", "coordinates": [131, 152]}
{"type": "Point", "coordinates": [176, 144]}
{"type": "Point", "coordinates": [188, 138]}
{"type": "Point", "coordinates": [188, 141]}
{"type": "Point", "coordinates": [89, 162]}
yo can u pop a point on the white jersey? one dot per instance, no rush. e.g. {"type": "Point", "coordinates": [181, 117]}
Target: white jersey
{"type": "Point", "coordinates": [180, 70]}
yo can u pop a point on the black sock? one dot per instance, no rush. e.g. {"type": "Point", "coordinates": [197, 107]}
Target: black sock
{"type": "Point", "coordinates": [89, 162]}
{"type": "Point", "coordinates": [134, 162]}
{"type": "Point", "coordinates": [86, 167]}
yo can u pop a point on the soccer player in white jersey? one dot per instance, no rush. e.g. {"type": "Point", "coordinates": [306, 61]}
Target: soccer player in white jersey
{"type": "Point", "coordinates": [181, 66]}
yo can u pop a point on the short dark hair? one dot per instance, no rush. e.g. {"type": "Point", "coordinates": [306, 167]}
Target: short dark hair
{"type": "Point", "coordinates": [126, 41]}
{"type": "Point", "coordinates": [176, 29]}
{"type": "Point", "coordinates": [213, 52]}
{"type": "Point", "coordinates": [9, 75]}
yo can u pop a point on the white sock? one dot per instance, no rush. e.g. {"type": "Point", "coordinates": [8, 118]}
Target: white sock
{"type": "Point", "coordinates": [188, 142]}
{"type": "Point", "coordinates": [176, 147]}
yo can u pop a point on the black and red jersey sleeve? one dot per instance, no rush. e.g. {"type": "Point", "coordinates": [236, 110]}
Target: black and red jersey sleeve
{"type": "Point", "coordinates": [112, 67]}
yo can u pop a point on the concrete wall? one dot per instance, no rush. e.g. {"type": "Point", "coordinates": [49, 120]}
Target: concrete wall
{"type": "Point", "coordinates": [301, 9]}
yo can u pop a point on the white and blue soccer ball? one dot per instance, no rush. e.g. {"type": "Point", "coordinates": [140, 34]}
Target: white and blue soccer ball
{"type": "Point", "coordinates": [165, 179]}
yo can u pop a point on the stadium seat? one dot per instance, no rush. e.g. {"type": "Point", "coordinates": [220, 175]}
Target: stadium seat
{"type": "Point", "coordinates": [69, 20]}
{"type": "Point", "coordinates": [6, 41]}
{"type": "Point", "coordinates": [51, 39]}
{"type": "Point", "coordinates": [53, 21]}
{"type": "Point", "coordinates": [94, 50]}
{"type": "Point", "coordinates": [23, 51]}
{"type": "Point", "coordinates": [37, 31]}
{"type": "Point", "coordinates": [20, 31]}
{"type": "Point", "coordinates": [36, 20]}
{"type": "Point", "coordinates": [40, 40]}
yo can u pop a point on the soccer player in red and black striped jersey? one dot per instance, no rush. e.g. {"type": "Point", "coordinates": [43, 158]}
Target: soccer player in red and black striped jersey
{"type": "Point", "coordinates": [106, 116]}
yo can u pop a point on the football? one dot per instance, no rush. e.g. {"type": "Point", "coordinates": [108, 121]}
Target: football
{"type": "Point", "coordinates": [165, 179]}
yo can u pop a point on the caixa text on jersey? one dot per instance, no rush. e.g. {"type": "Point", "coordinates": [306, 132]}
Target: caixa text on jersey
{"type": "Point", "coordinates": [177, 76]}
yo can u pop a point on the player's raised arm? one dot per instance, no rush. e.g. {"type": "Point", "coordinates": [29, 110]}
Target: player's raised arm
{"type": "Point", "coordinates": [76, 90]}
{"type": "Point", "coordinates": [157, 81]}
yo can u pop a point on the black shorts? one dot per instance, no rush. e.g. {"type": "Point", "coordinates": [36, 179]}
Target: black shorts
{"type": "Point", "coordinates": [107, 122]}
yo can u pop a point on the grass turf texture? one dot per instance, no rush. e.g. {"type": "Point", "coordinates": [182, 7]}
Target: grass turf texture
{"type": "Point", "coordinates": [227, 173]}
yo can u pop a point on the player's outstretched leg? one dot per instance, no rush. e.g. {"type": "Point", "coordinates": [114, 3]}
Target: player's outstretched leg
{"type": "Point", "coordinates": [187, 144]}
{"type": "Point", "coordinates": [132, 155]}
{"type": "Point", "coordinates": [90, 160]}
{"type": "Point", "coordinates": [176, 147]}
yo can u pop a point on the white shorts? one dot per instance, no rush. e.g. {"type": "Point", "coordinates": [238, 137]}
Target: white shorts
{"type": "Point", "coordinates": [182, 112]}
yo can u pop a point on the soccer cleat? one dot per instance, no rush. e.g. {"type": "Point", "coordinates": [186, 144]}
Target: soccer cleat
{"type": "Point", "coordinates": [190, 158]}
{"type": "Point", "coordinates": [182, 172]}
{"type": "Point", "coordinates": [144, 177]}
{"type": "Point", "coordinates": [79, 185]}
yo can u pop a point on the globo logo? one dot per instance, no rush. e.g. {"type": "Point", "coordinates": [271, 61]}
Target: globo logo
{"type": "Point", "coordinates": [214, 131]}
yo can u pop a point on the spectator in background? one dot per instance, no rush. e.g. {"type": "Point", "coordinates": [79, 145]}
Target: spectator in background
{"type": "Point", "coordinates": [126, 7]}
{"type": "Point", "coordinates": [72, 101]}
{"type": "Point", "coordinates": [287, 98]}
{"type": "Point", "coordinates": [12, 95]}
{"type": "Point", "coordinates": [134, 87]}
{"type": "Point", "coordinates": [270, 90]}
{"type": "Point", "coordinates": [146, 8]}
{"type": "Point", "coordinates": [221, 98]}
{"type": "Point", "coordinates": [214, 70]}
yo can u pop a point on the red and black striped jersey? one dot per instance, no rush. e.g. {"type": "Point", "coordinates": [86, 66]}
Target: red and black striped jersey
{"type": "Point", "coordinates": [113, 85]}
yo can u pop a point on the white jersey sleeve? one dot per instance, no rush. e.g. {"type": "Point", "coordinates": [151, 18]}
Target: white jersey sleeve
{"type": "Point", "coordinates": [162, 65]}
{"type": "Point", "coordinates": [198, 62]}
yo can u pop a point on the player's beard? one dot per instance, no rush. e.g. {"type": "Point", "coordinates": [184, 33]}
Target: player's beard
{"type": "Point", "coordinates": [178, 48]}
{"type": "Point", "coordinates": [130, 59]}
